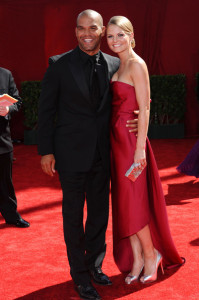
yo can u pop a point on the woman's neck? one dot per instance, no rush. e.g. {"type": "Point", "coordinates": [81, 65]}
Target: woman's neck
{"type": "Point", "coordinates": [126, 55]}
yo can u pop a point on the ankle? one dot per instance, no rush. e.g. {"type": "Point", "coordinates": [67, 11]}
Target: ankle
{"type": "Point", "coordinates": [150, 255]}
{"type": "Point", "coordinates": [138, 261]}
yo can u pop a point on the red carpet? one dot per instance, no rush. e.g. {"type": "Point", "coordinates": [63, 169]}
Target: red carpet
{"type": "Point", "coordinates": [33, 262]}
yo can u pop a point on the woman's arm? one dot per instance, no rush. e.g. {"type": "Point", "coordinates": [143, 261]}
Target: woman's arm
{"type": "Point", "coordinates": [140, 79]}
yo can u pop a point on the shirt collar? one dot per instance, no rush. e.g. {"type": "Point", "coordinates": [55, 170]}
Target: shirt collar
{"type": "Point", "coordinates": [84, 56]}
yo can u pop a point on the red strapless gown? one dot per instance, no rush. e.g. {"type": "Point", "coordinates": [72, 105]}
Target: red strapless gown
{"type": "Point", "coordinates": [135, 204]}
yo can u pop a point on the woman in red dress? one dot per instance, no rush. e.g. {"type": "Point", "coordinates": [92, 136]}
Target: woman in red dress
{"type": "Point", "coordinates": [141, 234]}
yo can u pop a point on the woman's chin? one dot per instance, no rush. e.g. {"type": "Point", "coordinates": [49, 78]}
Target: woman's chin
{"type": "Point", "coordinates": [116, 50]}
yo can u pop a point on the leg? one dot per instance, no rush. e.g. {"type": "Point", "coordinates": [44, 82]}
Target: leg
{"type": "Point", "coordinates": [97, 195]}
{"type": "Point", "coordinates": [73, 187]}
{"type": "Point", "coordinates": [149, 252]}
{"type": "Point", "coordinates": [138, 261]}
{"type": "Point", "coordinates": [8, 201]}
{"type": "Point", "coordinates": [137, 252]}
{"type": "Point", "coordinates": [142, 241]}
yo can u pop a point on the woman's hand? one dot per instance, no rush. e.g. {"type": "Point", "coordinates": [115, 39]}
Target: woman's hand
{"type": "Point", "coordinates": [140, 157]}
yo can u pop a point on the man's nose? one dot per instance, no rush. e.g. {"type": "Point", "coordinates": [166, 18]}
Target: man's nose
{"type": "Point", "coordinates": [86, 32]}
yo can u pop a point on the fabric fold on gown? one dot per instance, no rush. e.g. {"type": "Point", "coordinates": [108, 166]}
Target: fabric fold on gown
{"type": "Point", "coordinates": [135, 204]}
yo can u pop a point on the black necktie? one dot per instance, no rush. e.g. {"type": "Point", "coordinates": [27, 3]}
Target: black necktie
{"type": "Point", "coordinates": [94, 82]}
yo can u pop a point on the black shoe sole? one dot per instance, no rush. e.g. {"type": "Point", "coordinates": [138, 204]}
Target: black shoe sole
{"type": "Point", "coordinates": [86, 298]}
{"type": "Point", "coordinates": [99, 283]}
{"type": "Point", "coordinates": [18, 226]}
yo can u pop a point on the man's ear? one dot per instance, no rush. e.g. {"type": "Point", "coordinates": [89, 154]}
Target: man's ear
{"type": "Point", "coordinates": [103, 30]}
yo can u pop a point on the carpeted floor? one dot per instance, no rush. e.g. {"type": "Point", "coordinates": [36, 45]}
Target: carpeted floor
{"type": "Point", "coordinates": [33, 262]}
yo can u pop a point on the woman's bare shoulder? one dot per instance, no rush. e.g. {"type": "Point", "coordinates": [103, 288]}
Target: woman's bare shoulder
{"type": "Point", "coordinates": [138, 69]}
{"type": "Point", "coordinates": [137, 63]}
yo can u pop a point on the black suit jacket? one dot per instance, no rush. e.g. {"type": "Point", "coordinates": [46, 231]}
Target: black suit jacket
{"type": "Point", "coordinates": [69, 127]}
{"type": "Point", "coordinates": [7, 86]}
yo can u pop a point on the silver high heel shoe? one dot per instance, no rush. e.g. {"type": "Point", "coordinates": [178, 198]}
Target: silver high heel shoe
{"type": "Point", "coordinates": [153, 277]}
{"type": "Point", "coordinates": [131, 278]}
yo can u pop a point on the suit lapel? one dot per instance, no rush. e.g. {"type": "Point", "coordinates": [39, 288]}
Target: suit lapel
{"type": "Point", "coordinates": [80, 78]}
{"type": "Point", "coordinates": [79, 74]}
{"type": "Point", "coordinates": [110, 66]}
{"type": "Point", "coordinates": [108, 78]}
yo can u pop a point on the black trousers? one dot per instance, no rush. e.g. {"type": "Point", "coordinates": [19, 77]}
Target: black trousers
{"type": "Point", "coordinates": [85, 246]}
{"type": "Point", "coordinates": [8, 201]}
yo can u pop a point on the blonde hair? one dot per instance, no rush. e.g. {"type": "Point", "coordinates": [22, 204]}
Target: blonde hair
{"type": "Point", "coordinates": [124, 24]}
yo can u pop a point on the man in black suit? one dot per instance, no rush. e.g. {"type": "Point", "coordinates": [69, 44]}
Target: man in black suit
{"type": "Point", "coordinates": [73, 129]}
{"type": "Point", "coordinates": [8, 201]}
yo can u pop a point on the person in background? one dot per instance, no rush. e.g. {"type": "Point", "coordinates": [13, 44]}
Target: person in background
{"type": "Point", "coordinates": [8, 201]}
{"type": "Point", "coordinates": [141, 236]}
{"type": "Point", "coordinates": [190, 165]}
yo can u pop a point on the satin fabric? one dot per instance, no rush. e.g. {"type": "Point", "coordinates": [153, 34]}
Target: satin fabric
{"type": "Point", "coordinates": [135, 204]}
{"type": "Point", "coordinates": [190, 165]}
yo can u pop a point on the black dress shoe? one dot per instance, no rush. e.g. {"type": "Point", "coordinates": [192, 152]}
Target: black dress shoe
{"type": "Point", "coordinates": [99, 277]}
{"type": "Point", "coordinates": [21, 223]}
{"type": "Point", "coordinates": [87, 292]}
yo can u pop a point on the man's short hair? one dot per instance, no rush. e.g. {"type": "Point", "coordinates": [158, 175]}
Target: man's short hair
{"type": "Point", "coordinates": [91, 13]}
